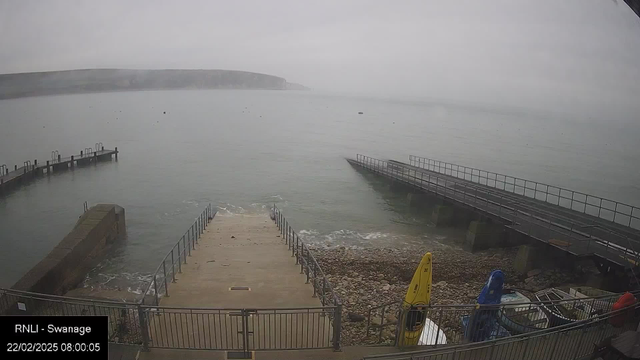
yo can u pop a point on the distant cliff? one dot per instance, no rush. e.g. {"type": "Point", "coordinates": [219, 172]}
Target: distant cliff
{"type": "Point", "coordinates": [294, 86]}
{"type": "Point", "coordinates": [105, 80]}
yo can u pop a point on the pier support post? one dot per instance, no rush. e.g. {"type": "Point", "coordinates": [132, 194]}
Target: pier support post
{"type": "Point", "coordinates": [442, 215]}
{"type": "Point", "coordinates": [483, 235]}
{"type": "Point", "coordinates": [525, 259]}
{"type": "Point", "coordinates": [418, 199]}
{"type": "Point", "coordinates": [399, 186]}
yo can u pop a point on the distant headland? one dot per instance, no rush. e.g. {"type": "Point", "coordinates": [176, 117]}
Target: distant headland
{"type": "Point", "coordinates": [107, 80]}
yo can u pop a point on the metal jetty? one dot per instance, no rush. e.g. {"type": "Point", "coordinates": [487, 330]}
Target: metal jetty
{"type": "Point", "coordinates": [572, 221]}
{"type": "Point", "coordinates": [10, 179]}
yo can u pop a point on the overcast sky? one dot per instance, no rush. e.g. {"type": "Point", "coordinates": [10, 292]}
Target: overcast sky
{"type": "Point", "coordinates": [543, 53]}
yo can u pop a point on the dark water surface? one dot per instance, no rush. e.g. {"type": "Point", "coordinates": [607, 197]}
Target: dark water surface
{"type": "Point", "coordinates": [245, 150]}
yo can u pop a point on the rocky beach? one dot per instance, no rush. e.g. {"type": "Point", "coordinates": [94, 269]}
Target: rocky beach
{"type": "Point", "coordinates": [366, 278]}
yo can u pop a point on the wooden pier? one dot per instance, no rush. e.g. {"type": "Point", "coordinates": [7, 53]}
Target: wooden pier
{"type": "Point", "coordinates": [12, 179]}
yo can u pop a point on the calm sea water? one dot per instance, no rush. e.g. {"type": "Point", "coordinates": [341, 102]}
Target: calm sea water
{"type": "Point", "coordinates": [244, 150]}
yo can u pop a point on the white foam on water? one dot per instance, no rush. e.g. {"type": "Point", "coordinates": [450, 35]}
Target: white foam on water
{"type": "Point", "coordinates": [134, 291]}
{"type": "Point", "coordinates": [374, 235]}
{"type": "Point", "coordinates": [343, 237]}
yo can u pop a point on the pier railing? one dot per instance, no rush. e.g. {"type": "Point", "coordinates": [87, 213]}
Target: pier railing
{"type": "Point", "coordinates": [566, 342]}
{"type": "Point", "coordinates": [125, 320]}
{"type": "Point", "coordinates": [462, 323]}
{"type": "Point", "coordinates": [309, 266]}
{"type": "Point", "coordinates": [241, 330]}
{"type": "Point", "coordinates": [548, 227]}
{"type": "Point", "coordinates": [172, 262]}
{"type": "Point", "coordinates": [611, 210]}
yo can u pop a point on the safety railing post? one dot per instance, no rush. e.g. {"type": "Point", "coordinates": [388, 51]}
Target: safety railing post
{"type": "Point", "coordinates": [324, 290]}
{"type": "Point", "coordinates": [173, 268]}
{"type": "Point", "coordinates": [184, 247]}
{"type": "Point", "coordinates": [306, 261]}
{"type": "Point", "coordinates": [155, 288]}
{"type": "Point", "coordinates": [197, 232]}
{"type": "Point", "coordinates": [439, 326]}
{"type": "Point", "coordinates": [337, 327]}
{"type": "Point", "coordinates": [297, 249]}
{"type": "Point", "coordinates": [194, 235]}
{"type": "Point", "coordinates": [144, 329]}
{"type": "Point", "coordinates": [164, 270]}
{"type": "Point", "coordinates": [179, 258]}
{"type": "Point", "coordinates": [189, 239]}
{"type": "Point", "coordinates": [315, 275]}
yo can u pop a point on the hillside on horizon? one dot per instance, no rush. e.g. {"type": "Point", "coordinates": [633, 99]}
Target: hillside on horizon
{"type": "Point", "coordinates": [106, 80]}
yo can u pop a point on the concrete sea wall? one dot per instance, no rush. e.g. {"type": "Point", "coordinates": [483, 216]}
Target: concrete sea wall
{"type": "Point", "coordinates": [68, 263]}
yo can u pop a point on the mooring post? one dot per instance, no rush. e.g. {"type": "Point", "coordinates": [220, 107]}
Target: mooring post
{"type": "Point", "coordinates": [16, 167]}
{"type": "Point", "coordinates": [81, 153]}
{"type": "Point", "coordinates": [59, 157]}
{"type": "Point", "coordinates": [71, 160]}
{"type": "Point", "coordinates": [47, 166]}
{"type": "Point", "coordinates": [116, 153]}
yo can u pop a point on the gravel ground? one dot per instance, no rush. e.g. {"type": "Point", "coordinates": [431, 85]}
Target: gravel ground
{"type": "Point", "coordinates": [365, 278]}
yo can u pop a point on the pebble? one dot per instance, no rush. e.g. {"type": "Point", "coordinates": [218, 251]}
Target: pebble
{"type": "Point", "coordinates": [370, 277]}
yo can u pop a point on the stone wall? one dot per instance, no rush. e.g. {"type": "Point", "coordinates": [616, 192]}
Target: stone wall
{"type": "Point", "coordinates": [68, 263]}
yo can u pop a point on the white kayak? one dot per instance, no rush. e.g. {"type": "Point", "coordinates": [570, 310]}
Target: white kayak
{"type": "Point", "coordinates": [431, 333]}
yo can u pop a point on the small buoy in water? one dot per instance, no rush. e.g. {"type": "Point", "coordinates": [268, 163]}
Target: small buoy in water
{"type": "Point", "coordinates": [164, 112]}
{"type": "Point", "coordinates": [360, 112]}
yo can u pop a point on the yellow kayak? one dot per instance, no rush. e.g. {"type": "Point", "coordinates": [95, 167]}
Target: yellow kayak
{"type": "Point", "coordinates": [414, 306]}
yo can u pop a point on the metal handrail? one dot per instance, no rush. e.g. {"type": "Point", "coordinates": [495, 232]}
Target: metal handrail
{"type": "Point", "coordinates": [67, 299]}
{"type": "Point", "coordinates": [492, 344]}
{"type": "Point", "coordinates": [590, 224]}
{"type": "Point", "coordinates": [310, 267]}
{"type": "Point", "coordinates": [475, 175]}
{"type": "Point", "coordinates": [232, 309]}
{"type": "Point", "coordinates": [304, 257]}
{"type": "Point", "coordinates": [471, 195]}
{"type": "Point", "coordinates": [444, 313]}
{"type": "Point", "coordinates": [165, 274]}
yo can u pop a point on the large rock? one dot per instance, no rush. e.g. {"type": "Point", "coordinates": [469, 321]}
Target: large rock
{"type": "Point", "coordinates": [353, 317]}
{"type": "Point", "coordinates": [533, 272]}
